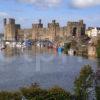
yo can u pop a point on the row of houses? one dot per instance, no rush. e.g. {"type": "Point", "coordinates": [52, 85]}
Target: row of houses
{"type": "Point", "coordinates": [93, 31]}
{"type": "Point", "coordinates": [94, 34]}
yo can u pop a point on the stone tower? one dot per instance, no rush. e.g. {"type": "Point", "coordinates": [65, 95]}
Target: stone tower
{"type": "Point", "coordinates": [53, 28]}
{"type": "Point", "coordinates": [76, 29]}
{"type": "Point", "coordinates": [9, 29]}
{"type": "Point", "coordinates": [37, 30]}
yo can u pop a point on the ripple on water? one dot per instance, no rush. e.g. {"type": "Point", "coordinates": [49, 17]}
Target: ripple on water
{"type": "Point", "coordinates": [46, 69]}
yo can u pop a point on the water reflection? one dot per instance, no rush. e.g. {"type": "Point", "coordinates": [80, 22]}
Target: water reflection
{"type": "Point", "coordinates": [19, 67]}
{"type": "Point", "coordinates": [10, 52]}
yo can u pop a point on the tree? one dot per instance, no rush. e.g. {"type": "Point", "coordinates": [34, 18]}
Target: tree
{"type": "Point", "coordinates": [98, 49]}
{"type": "Point", "coordinates": [67, 47]}
{"type": "Point", "coordinates": [81, 84]}
{"type": "Point", "coordinates": [98, 92]}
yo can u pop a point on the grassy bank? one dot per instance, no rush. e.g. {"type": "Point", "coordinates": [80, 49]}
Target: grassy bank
{"type": "Point", "coordinates": [36, 93]}
{"type": "Point", "coordinates": [98, 49]}
{"type": "Point", "coordinates": [98, 93]}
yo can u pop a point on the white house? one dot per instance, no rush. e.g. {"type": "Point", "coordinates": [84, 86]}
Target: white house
{"type": "Point", "coordinates": [93, 32]}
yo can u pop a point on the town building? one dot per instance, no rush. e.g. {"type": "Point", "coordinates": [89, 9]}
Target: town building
{"type": "Point", "coordinates": [93, 32]}
{"type": "Point", "coordinates": [92, 50]}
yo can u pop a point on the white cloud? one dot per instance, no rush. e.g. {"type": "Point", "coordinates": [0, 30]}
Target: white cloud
{"type": "Point", "coordinates": [43, 3]}
{"type": "Point", "coordinates": [4, 14]}
{"type": "Point", "coordinates": [84, 3]}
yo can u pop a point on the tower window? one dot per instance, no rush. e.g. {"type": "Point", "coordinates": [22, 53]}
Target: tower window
{"type": "Point", "coordinates": [74, 31]}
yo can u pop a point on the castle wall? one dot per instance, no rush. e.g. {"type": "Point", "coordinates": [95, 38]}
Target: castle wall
{"type": "Point", "coordinates": [52, 32]}
{"type": "Point", "coordinates": [17, 28]}
{"type": "Point", "coordinates": [24, 34]}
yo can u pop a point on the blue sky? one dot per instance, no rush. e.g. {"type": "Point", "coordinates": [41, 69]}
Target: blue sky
{"type": "Point", "coordinates": [27, 12]}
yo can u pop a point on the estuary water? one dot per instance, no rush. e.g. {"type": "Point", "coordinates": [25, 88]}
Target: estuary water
{"type": "Point", "coordinates": [22, 67]}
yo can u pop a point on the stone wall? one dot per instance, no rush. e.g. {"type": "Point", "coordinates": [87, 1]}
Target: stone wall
{"type": "Point", "coordinates": [24, 34]}
{"type": "Point", "coordinates": [92, 51]}
{"type": "Point", "coordinates": [14, 32]}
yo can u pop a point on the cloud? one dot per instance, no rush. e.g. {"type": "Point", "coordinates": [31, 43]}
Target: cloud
{"type": "Point", "coordinates": [4, 14]}
{"type": "Point", "coordinates": [43, 3]}
{"type": "Point", "coordinates": [84, 3]}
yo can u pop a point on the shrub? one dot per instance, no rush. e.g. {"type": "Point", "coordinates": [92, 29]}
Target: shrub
{"type": "Point", "coordinates": [98, 93]}
{"type": "Point", "coordinates": [67, 47]}
{"type": "Point", "coordinates": [81, 84]}
{"type": "Point", "coordinates": [98, 49]}
{"type": "Point", "coordinates": [10, 95]}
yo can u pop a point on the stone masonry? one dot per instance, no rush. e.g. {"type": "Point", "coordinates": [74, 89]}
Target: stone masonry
{"type": "Point", "coordinates": [13, 32]}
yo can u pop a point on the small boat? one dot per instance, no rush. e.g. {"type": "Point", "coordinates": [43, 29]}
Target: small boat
{"type": "Point", "coordinates": [2, 46]}
{"type": "Point", "coordinates": [18, 45]}
{"type": "Point", "coordinates": [60, 49]}
{"type": "Point", "coordinates": [38, 44]}
{"type": "Point", "coordinates": [7, 43]}
{"type": "Point", "coordinates": [13, 44]}
{"type": "Point", "coordinates": [71, 52]}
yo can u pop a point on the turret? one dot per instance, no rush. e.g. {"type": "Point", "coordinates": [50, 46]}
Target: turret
{"type": "Point", "coordinates": [11, 21]}
{"type": "Point", "coordinates": [81, 21]}
{"type": "Point", "coordinates": [40, 21]}
{"type": "Point", "coordinates": [5, 21]}
{"type": "Point", "coordinates": [53, 21]}
{"type": "Point", "coordinates": [40, 25]}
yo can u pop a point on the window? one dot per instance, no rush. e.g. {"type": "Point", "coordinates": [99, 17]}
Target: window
{"type": "Point", "coordinates": [74, 31]}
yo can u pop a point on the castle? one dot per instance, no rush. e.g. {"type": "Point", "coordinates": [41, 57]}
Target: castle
{"type": "Point", "coordinates": [13, 31]}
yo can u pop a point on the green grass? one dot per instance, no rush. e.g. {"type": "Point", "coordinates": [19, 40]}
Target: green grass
{"type": "Point", "coordinates": [98, 52]}
{"type": "Point", "coordinates": [98, 93]}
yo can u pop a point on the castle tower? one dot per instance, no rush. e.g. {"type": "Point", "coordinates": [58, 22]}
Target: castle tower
{"type": "Point", "coordinates": [40, 25]}
{"type": "Point", "coordinates": [37, 29]}
{"type": "Point", "coordinates": [5, 21]}
{"type": "Point", "coordinates": [53, 29]}
{"type": "Point", "coordinates": [76, 29]}
{"type": "Point", "coordinates": [9, 29]}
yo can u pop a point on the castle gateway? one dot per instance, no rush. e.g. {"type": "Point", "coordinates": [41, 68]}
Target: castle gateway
{"type": "Point", "coordinates": [13, 31]}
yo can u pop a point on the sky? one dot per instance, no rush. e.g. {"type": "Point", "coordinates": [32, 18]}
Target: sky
{"type": "Point", "coordinates": [27, 12]}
